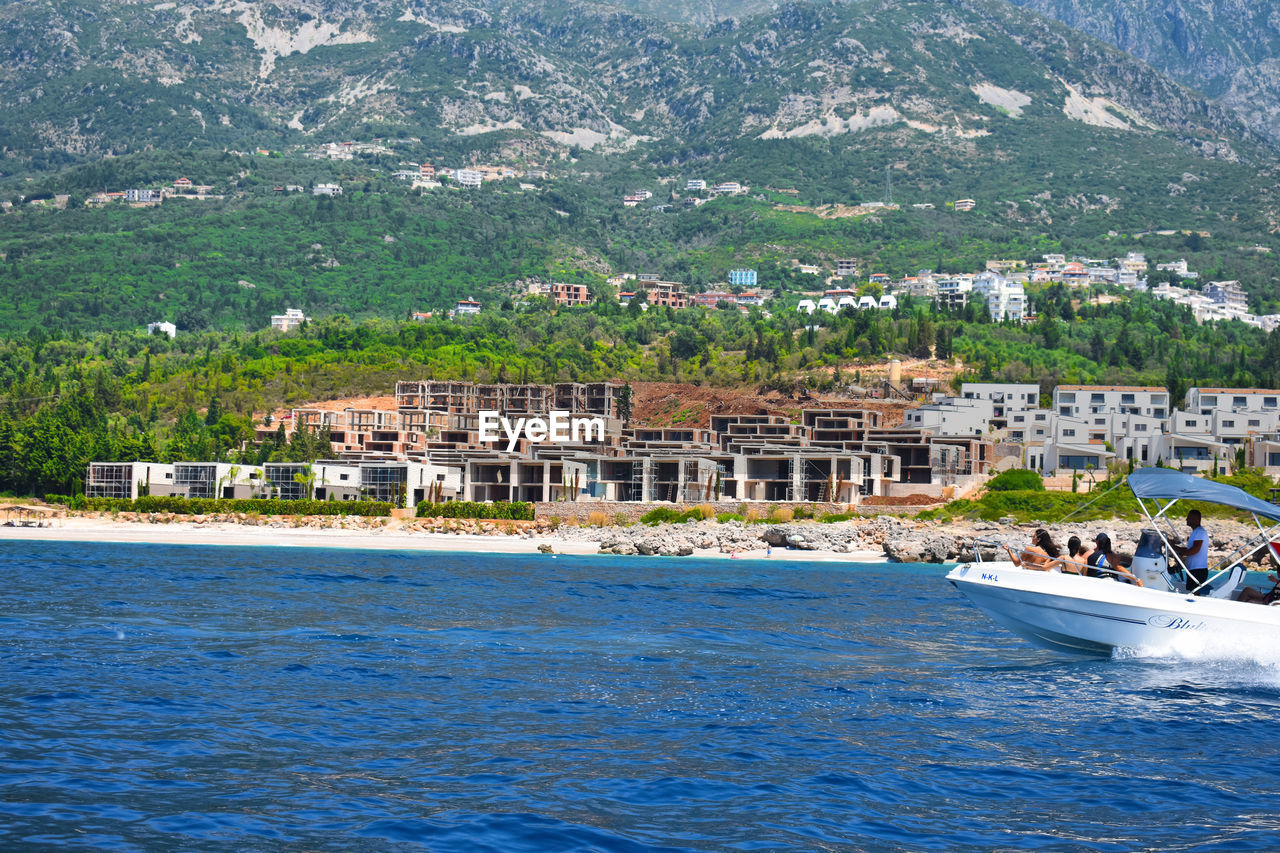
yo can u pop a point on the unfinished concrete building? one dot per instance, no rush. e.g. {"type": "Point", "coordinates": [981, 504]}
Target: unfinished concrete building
{"type": "Point", "coordinates": [588, 398]}
{"type": "Point", "coordinates": [127, 480]}
{"type": "Point", "coordinates": [827, 455]}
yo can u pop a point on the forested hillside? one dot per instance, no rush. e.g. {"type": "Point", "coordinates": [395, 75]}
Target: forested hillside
{"type": "Point", "coordinates": [130, 396]}
{"type": "Point", "coordinates": [382, 249]}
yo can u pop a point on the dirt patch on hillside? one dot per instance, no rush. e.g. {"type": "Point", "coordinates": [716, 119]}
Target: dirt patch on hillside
{"type": "Point", "coordinates": [677, 404]}
{"type": "Point", "coordinates": [384, 403]}
{"type": "Point", "coordinates": [837, 211]}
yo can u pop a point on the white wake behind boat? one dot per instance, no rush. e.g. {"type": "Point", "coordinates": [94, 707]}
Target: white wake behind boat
{"type": "Point", "coordinates": [1169, 613]}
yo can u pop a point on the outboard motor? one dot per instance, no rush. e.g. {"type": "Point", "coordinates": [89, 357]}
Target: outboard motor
{"type": "Point", "coordinates": [1150, 563]}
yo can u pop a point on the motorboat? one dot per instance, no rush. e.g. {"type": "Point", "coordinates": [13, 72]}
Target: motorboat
{"type": "Point", "coordinates": [1171, 612]}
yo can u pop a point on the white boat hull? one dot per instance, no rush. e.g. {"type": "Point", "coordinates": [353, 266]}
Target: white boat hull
{"type": "Point", "coordinates": [1095, 616]}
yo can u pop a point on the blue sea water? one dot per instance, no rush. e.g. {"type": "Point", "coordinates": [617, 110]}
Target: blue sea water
{"type": "Point", "coordinates": [181, 698]}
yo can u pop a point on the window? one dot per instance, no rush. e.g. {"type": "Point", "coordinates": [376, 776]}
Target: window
{"type": "Point", "coordinates": [1139, 427]}
{"type": "Point", "coordinates": [1069, 432]}
{"type": "Point", "coordinates": [1209, 401]}
{"type": "Point", "coordinates": [1099, 421]}
{"type": "Point", "coordinates": [1228, 423]}
{"type": "Point", "coordinates": [1077, 463]}
{"type": "Point", "coordinates": [1040, 418]}
{"type": "Point", "coordinates": [1269, 402]}
{"type": "Point", "coordinates": [1066, 398]}
{"type": "Point", "coordinates": [1254, 422]}
{"type": "Point", "coordinates": [1126, 399]}
{"type": "Point", "coordinates": [1238, 402]}
{"type": "Point", "coordinates": [1064, 410]}
{"type": "Point", "coordinates": [1157, 413]}
{"type": "Point", "coordinates": [1097, 398]}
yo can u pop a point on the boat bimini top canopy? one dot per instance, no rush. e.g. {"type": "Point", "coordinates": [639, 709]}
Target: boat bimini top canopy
{"type": "Point", "coordinates": [1164, 484]}
{"type": "Point", "coordinates": [1167, 484]}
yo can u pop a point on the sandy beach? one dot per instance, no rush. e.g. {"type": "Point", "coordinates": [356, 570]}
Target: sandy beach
{"type": "Point", "coordinates": [390, 538]}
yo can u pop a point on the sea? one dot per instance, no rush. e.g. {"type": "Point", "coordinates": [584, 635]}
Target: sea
{"type": "Point", "coordinates": [157, 698]}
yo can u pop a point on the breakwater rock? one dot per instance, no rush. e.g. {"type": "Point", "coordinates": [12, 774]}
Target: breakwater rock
{"type": "Point", "coordinates": [897, 539]}
{"type": "Point", "coordinates": [857, 536]}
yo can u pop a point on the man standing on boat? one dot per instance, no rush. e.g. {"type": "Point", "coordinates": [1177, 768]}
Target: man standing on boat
{"type": "Point", "coordinates": [1195, 554]}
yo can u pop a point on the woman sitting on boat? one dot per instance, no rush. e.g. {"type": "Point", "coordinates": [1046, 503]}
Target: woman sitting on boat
{"type": "Point", "coordinates": [1041, 555]}
{"type": "Point", "coordinates": [1253, 595]}
{"type": "Point", "coordinates": [1105, 563]}
{"type": "Point", "coordinates": [1077, 554]}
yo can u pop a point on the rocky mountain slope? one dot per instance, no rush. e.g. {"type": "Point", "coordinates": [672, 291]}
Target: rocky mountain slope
{"type": "Point", "coordinates": [1228, 49]}
{"type": "Point", "coordinates": [82, 78]}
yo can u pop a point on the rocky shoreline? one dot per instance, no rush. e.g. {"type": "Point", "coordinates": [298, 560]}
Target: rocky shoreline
{"type": "Point", "coordinates": [893, 538]}
{"type": "Point", "coordinates": [898, 539]}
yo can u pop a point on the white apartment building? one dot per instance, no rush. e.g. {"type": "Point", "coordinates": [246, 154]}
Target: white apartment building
{"type": "Point", "coordinates": [1207, 400]}
{"type": "Point", "coordinates": [1229, 294]}
{"type": "Point", "coordinates": [1079, 400]}
{"type": "Point", "coordinates": [1005, 300]}
{"type": "Point", "coordinates": [1193, 454]}
{"type": "Point", "coordinates": [292, 318]}
{"type": "Point", "coordinates": [953, 292]}
{"type": "Point", "coordinates": [1179, 268]}
{"type": "Point", "coordinates": [1030, 425]}
{"type": "Point", "coordinates": [1006, 398]}
{"type": "Point", "coordinates": [1137, 437]}
{"type": "Point", "coordinates": [952, 416]}
{"type": "Point", "coordinates": [468, 178]}
{"type": "Point", "coordinates": [1133, 262]}
{"type": "Point", "coordinates": [1234, 429]}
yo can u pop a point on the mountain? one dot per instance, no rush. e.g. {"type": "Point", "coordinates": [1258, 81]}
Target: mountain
{"type": "Point", "coordinates": [89, 79]}
{"type": "Point", "coordinates": [1228, 49]}
{"type": "Point", "coordinates": [1060, 138]}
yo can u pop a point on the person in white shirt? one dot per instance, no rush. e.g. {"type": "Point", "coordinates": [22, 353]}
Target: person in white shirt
{"type": "Point", "coordinates": [1195, 554]}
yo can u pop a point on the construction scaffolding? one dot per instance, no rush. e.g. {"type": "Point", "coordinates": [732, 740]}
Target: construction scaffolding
{"type": "Point", "coordinates": [109, 480]}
